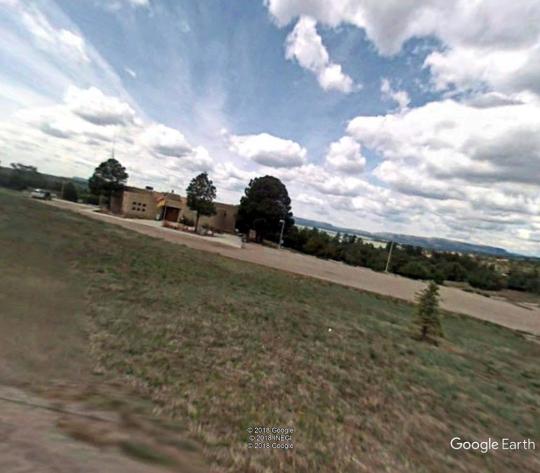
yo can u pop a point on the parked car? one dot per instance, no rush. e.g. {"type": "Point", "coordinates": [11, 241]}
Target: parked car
{"type": "Point", "coordinates": [40, 194]}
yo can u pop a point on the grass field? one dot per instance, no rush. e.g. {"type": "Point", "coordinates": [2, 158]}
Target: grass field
{"type": "Point", "coordinates": [224, 345]}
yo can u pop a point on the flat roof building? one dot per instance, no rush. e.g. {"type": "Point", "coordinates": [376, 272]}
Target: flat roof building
{"type": "Point", "coordinates": [133, 202]}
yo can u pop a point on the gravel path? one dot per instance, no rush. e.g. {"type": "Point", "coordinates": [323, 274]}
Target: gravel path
{"type": "Point", "coordinates": [454, 300]}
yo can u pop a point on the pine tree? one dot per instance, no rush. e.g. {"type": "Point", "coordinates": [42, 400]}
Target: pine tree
{"type": "Point", "coordinates": [427, 324]}
{"type": "Point", "coordinates": [263, 207]}
{"type": "Point", "coordinates": [109, 177]}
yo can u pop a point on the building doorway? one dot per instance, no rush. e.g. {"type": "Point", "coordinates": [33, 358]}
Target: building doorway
{"type": "Point", "coordinates": [171, 214]}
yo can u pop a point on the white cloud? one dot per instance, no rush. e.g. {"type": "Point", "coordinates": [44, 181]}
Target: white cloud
{"type": "Point", "coordinates": [115, 5]}
{"type": "Point", "coordinates": [469, 68]}
{"type": "Point", "coordinates": [56, 129]}
{"type": "Point", "coordinates": [96, 107]}
{"type": "Point", "coordinates": [77, 135]}
{"type": "Point", "coordinates": [388, 25]}
{"type": "Point", "coordinates": [333, 78]}
{"type": "Point", "coordinates": [166, 141]}
{"type": "Point", "coordinates": [74, 42]}
{"type": "Point", "coordinates": [195, 160]}
{"type": "Point", "coordinates": [51, 38]}
{"type": "Point", "coordinates": [39, 41]}
{"type": "Point", "coordinates": [339, 186]}
{"type": "Point", "coordinates": [199, 159]}
{"type": "Point", "coordinates": [268, 150]}
{"type": "Point", "coordinates": [344, 155]}
{"type": "Point", "coordinates": [493, 22]}
{"type": "Point", "coordinates": [493, 99]}
{"type": "Point", "coordinates": [492, 42]}
{"type": "Point", "coordinates": [231, 177]}
{"type": "Point", "coordinates": [474, 165]}
{"type": "Point", "coordinates": [400, 97]}
{"type": "Point", "coordinates": [451, 139]}
{"type": "Point", "coordinates": [305, 45]}
{"type": "Point", "coordinates": [466, 171]}
{"type": "Point", "coordinates": [323, 180]}
{"type": "Point", "coordinates": [60, 122]}
{"type": "Point", "coordinates": [171, 147]}
{"type": "Point", "coordinates": [131, 72]}
{"type": "Point", "coordinates": [309, 199]}
{"type": "Point", "coordinates": [66, 127]}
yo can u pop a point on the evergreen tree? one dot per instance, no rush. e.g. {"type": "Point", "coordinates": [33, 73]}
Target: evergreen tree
{"type": "Point", "coordinates": [427, 324]}
{"type": "Point", "coordinates": [266, 202]}
{"type": "Point", "coordinates": [110, 176]}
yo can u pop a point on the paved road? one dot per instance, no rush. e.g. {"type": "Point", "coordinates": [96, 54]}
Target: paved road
{"type": "Point", "coordinates": [452, 299]}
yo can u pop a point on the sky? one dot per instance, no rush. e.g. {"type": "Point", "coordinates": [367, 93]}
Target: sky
{"type": "Point", "coordinates": [406, 116]}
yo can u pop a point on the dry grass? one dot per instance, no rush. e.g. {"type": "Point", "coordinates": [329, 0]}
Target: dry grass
{"type": "Point", "coordinates": [223, 345]}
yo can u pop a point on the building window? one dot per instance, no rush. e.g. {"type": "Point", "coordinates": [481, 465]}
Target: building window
{"type": "Point", "coordinates": [138, 206]}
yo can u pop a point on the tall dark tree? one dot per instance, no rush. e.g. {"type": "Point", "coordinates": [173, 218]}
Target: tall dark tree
{"type": "Point", "coordinates": [69, 192]}
{"type": "Point", "coordinates": [109, 177]}
{"type": "Point", "coordinates": [265, 203]}
{"type": "Point", "coordinates": [201, 193]}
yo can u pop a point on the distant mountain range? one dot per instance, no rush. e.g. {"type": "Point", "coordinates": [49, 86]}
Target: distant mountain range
{"type": "Point", "coordinates": [439, 244]}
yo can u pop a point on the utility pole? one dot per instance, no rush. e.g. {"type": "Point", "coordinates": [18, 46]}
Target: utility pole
{"type": "Point", "coordinates": [282, 221]}
{"type": "Point", "coordinates": [389, 256]}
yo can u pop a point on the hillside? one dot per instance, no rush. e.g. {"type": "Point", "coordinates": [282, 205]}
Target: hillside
{"type": "Point", "coordinates": [220, 345]}
{"type": "Point", "coordinates": [440, 244]}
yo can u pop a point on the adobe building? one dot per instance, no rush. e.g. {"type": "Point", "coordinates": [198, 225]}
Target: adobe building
{"type": "Point", "coordinates": [133, 202]}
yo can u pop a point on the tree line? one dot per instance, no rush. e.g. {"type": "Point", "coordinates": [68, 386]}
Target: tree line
{"type": "Point", "coordinates": [415, 262]}
{"type": "Point", "coordinates": [21, 176]}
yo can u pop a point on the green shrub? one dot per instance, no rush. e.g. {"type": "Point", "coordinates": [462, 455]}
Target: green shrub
{"type": "Point", "coordinates": [454, 271]}
{"type": "Point", "coordinates": [486, 278]}
{"type": "Point", "coordinates": [187, 221]}
{"type": "Point", "coordinates": [90, 199]}
{"type": "Point", "coordinates": [524, 280]}
{"type": "Point", "coordinates": [415, 270]}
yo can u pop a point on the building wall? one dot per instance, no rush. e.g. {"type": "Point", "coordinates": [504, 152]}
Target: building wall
{"type": "Point", "coordinates": [224, 220]}
{"type": "Point", "coordinates": [139, 205]}
{"type": "Point", "coordinates": [116, 202]}
{"type": "Point", "coordinates": [134, 203]}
